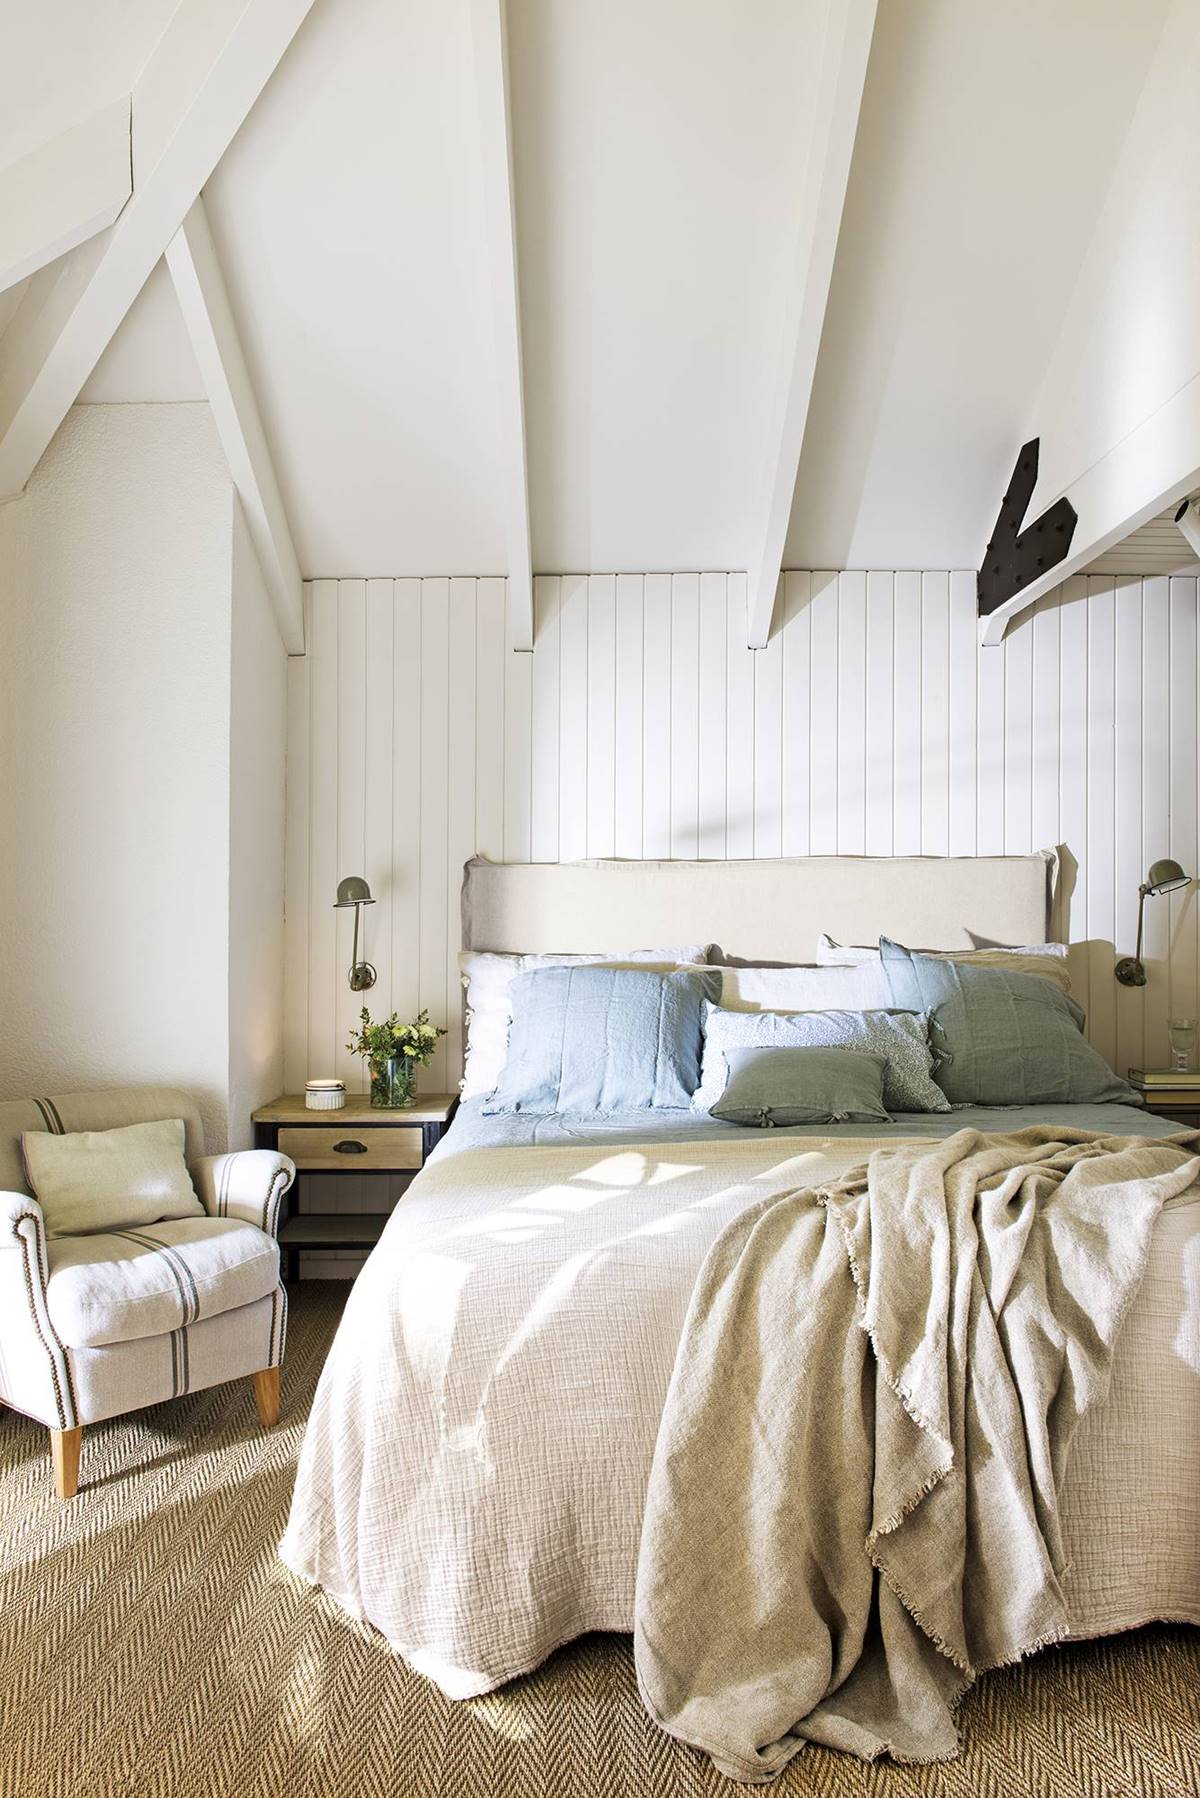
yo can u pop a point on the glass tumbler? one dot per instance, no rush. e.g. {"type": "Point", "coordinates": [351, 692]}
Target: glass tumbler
{"type": "Point", "coordinates": [1181, 1033]}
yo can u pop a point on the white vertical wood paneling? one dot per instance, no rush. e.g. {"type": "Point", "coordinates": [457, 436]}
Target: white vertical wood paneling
{"type": "Point", "coordinates": [490, 737]}
{"type": "Point", "coordinates": [1182, 905]}
{"type": "Point", "coordinates": [601, 715]}
{"type": "Point", "coordinates": [379, 775]}
{"type": "Point", "coordinates": [656, 717]}
{"type": "Point", "coordinates": [964, 694]}
{"type": "Point", "coordinates": [906, 714]}
{"type": "Point", "coordinates": [768, 747]}
{"type": "Point", "coordinates": [627, 748]}
{"type": "Point", "coordinates": [572, 717]}
{"type": "Point", "coordinates": [739, 726]}
{"type": "Point", "coordinates": [460, 728]}
{"type": "Point", "coordinates": [1100, 841]}
{"type": "Point", "coordinates": [823, 698]}
{"type": "Point", "coordinates": [296, 957]}
{"type": "Point", "coordinates": [323, 872]}
{"type": "Point", "coordinates": [1156, 805]}
{"type": "Point", "coordinates": [436, 894]}
{"type": "Point", "coordinates": [518, 720]}
{"type": "Point", "coordinates": [852, 722]}
{"type": "Point", "coordinates": [543, 841]}
{"type": "Point", "coordinates": [935, 714]}
{"type": "Point", "coordinates": [879, 720]}
{"type": "Point", "coordinates": [683, 681]}
{"type": "Point", "coordinates": [797, 649]}
{"type": "Point", "coordinates": [642, 725]}
{"type": "Point", "coordinates": [407, 647]}
{"type": "Point", "coordinates": [714, 630]}
{"type": "Point", "coordinates": [1129, 868]}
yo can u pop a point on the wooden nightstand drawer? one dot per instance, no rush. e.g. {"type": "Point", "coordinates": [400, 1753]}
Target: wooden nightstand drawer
{"type": "Point", "coordinates": [354, 1148]}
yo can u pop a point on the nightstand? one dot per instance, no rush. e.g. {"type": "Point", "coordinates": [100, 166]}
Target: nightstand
{"type": "Point", "coordinates": [1169, 1095]}
{"type": "Point", "coordinates": [360, 1138]}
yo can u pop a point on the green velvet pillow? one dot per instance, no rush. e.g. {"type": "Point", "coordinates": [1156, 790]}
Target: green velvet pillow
{"type": "Point", "coordinates": [802, 1086]}
{"type": "Point", "coordinates": [1002, 1039]}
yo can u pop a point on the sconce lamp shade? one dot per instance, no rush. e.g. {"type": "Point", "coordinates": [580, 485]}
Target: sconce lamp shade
{"type": "Point", "coordinates": [1164, 876]}
{"type": "Point", "coordinates": [355, 891]}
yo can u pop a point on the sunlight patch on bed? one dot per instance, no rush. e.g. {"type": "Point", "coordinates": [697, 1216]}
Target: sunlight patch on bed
{"type": "Point", "coordinates": [428, 1294]}
{"type": "Point", "coordinates": [628, 1169]}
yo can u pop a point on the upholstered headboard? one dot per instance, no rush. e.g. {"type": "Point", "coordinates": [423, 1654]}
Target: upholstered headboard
{"type": "Point", "coordinates": [768, 910]}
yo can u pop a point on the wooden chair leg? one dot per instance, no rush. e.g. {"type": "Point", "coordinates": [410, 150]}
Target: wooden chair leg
{"type": "Point", "coordinates": [266, 1396]}
{"type": "Point", "coordinates": [64, 1457]}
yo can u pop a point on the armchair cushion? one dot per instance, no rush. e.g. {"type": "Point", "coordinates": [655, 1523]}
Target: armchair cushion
{"type": "Point", "coordinates": [120, 1286]}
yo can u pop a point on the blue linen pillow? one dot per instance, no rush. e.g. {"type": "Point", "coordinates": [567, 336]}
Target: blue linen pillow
{"type": "Point", "coordinates": [1002, 1039]}
{"type": "Point", "coordinates": [802, 1086]}
{"type": "Point", "coordinates": [604, 1039]}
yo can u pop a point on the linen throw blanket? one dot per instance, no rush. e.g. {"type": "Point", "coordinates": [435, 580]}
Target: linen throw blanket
{"type": "Point", "coordinates": [853, 1503]}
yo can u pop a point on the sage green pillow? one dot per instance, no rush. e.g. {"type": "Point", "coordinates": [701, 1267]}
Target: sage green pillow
{"type": "Point", "coordinates": [92, 1180]}
{"type": "Point", "coordinates": [802, 1086]}
{"type": "Point", "coordinates": [1001, 1038]}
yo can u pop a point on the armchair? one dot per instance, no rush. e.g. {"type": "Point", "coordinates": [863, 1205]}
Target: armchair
{"type": "Point", "coordinates": [92, 1326]}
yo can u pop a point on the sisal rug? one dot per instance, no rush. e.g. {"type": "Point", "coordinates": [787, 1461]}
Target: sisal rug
{"type": "Point", "coordinates": [151, 1646]}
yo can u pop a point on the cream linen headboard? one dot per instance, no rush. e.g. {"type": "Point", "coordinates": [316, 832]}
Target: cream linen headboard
{"type": "Point", "coordinates": [767, 910]}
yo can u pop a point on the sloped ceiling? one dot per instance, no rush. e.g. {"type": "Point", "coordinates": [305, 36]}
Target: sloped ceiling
{"type": "Point", "coordinates": [659, 150]}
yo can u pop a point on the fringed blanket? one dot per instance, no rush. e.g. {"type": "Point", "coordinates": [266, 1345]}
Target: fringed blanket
{"type": "Point", "coordinates": [853, 1504]}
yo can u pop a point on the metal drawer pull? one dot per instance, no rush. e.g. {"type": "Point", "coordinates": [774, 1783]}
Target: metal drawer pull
{"type": "Point", "coordinates": [349, 1147]}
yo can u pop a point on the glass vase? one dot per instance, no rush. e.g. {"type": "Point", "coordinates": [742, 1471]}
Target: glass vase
{"type": "Point", "coordinates": [393, 1083]}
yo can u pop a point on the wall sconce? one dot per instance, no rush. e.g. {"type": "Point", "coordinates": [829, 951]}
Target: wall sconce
{"type": "Point", "coordinates": [1163, 877]}
{"type": "Point", "coordinates": [355, 891]}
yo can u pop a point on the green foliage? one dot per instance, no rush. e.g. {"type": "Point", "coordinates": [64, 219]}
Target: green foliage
{"type": "Point", "coordinates": [382, 1042]}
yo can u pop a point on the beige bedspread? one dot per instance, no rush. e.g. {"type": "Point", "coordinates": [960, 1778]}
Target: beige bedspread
{"type": "Point", "coordinates": [854, 1502]}
{"type": "Point", "coordinates": [474, 1473]}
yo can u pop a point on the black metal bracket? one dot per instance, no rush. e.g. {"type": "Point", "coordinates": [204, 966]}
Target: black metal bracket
{"type": "Point", "coordinates": [1015, 557]}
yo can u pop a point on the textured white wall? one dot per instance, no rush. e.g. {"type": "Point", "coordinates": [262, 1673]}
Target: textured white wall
{"type": "Point", "coordinates": [256, 814]}
{"type": "Point", "coordinates": [114, 750]}
{"type": "Point", "coordinates": [642, 726]}
{"type": "Point", "coordinates": [141, 773]}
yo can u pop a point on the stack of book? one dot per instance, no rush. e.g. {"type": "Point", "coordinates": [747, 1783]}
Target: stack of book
{"type": "Point", "coordinates": [1166, 1079]}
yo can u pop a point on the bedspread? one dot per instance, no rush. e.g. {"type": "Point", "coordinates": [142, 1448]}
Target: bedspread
{"type": "Point", "coordinates": [474, 1473]}
{"type": "Point", "coordinates": [854, 1502]}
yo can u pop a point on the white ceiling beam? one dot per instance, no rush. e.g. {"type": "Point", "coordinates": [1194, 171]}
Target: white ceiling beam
{"type": "Point", "coordinates": [64, 192]}
{"type": "Point", "coordinates": [845, 51]}
{"type": "Point", "coordinates": [489, 37]}
{"type": "Point", "coordinates": [204, 302]}
{"type": "Point", "coordinates": [1156, 466]}
{"type": "Point", "coordinates": [207, 70]}
{"type": "Point", "coordinates": [1188, 523]}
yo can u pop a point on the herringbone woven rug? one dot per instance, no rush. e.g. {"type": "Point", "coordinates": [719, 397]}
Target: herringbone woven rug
{"type": "Point", "coordinates": [151, 1646]}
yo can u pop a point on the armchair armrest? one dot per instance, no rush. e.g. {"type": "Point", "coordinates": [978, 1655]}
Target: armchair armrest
{"type": "Point", "coordinates": [22, 1226]}
{"type": "Point", "coordinates": [247, 1183]}
{"type": "Point", "coordinates": [35, 1373]}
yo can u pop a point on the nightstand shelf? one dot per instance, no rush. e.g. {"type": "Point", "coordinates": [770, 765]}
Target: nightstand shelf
{"type": "Point", "coordinates": [358, 1139]}
{"type": "Point", "coordinates": [1178, 1101]}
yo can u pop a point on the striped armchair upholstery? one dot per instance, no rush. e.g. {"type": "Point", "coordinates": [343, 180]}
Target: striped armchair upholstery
{"type": "Point", "coordinates": [93, 1326]}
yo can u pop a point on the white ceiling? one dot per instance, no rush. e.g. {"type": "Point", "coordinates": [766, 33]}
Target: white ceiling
{"type": "Point", "coordinates": [659, 152]}
{"type": "Point", "coordinates": [64, 59]}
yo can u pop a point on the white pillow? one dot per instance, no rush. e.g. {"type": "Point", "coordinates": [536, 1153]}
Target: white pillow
{"type": "Point", "coordinates": [860, 987]}
{"type": "Point", "coordinates": [1047, 959]}
{"type": "Point", "coordinates": [488, 980]}
{"type": "Point", "coordinates": [110, 1179]}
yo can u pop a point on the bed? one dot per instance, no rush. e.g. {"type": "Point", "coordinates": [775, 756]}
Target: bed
{"type": "Point", "coordinates": [474, 1473]}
